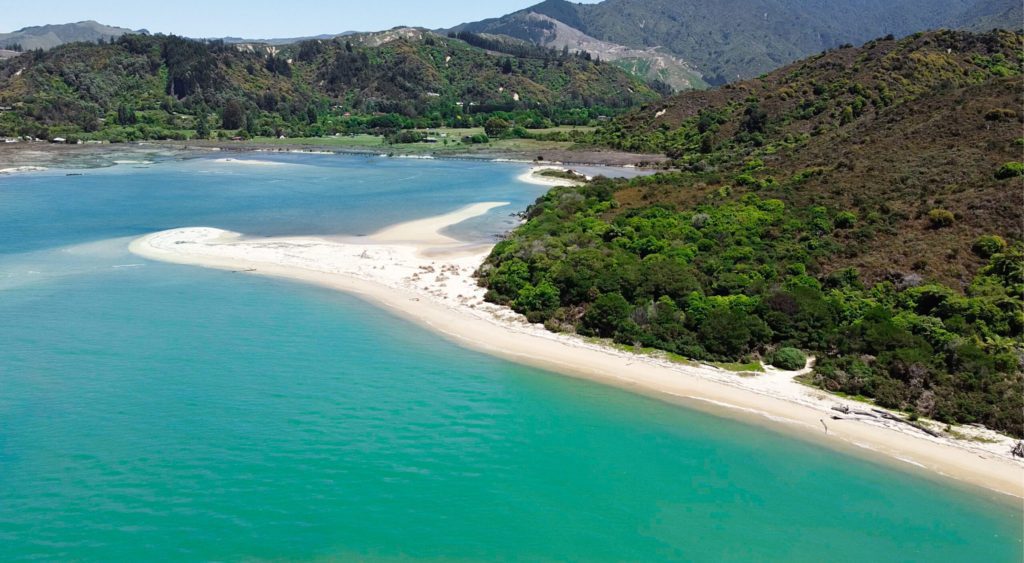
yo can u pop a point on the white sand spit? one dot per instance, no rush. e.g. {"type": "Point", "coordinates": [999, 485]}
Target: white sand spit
{"type": "Point", "coordinates": [427, 277]}
{"type": "Point", "coordinates": [428, 231]}
{"type": "Point", "coordinates": [533, 176]}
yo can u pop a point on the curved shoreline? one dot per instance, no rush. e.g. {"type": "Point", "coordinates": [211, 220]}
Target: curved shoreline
{"type": "Point", "coordinates": [431, 282]}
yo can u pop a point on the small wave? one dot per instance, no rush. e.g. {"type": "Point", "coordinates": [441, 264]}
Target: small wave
{"type": "Point", "coordinates": [416, 156]}
{"type": "Point", "coordinates": [127, 265]}
{"type": "Point", "coordinates": [133, 162]}
{"type": "Point", "coordinates": [761, 413]}
{"type": "Point", "coordinates": [911, 462]}
{"type": "Point", "coordinates": [249, 162]}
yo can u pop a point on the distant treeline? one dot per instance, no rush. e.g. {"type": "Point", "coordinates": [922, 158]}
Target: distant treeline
{"type": "Point", "coordinates": [143, 86]}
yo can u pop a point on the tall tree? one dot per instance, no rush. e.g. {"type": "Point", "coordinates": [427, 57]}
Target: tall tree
{"type": "Point", "coordinates": [202, 125]}
{"type": "Point", "coordinates": [233, 116]}
{"type": "Point", "coordinates": [125, 115]}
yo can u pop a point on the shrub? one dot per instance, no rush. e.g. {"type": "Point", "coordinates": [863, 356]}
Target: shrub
{"type": "Point", "coordinates": [940, 218]}
{"type": "Point", "coordinates": [845, 220]}
{"type": "Point", "coordinates": [789, 359]}
{"type": "Point", "coordinates": [746, 180]}
{"type": "Point", "coordinates": [1010, 170]}
{"type": "Point", "coordinates": [988, 245]}
{"type": "Point", "coordinates": [1000, 114]}
{"type": "Point", "coordinates": [807, 173]}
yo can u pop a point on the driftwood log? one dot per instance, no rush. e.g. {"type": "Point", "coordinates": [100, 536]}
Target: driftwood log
{"type": "Point", "coordinates": [890, 416]}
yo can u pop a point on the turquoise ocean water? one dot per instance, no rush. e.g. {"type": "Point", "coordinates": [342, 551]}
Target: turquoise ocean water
{"type": "Point", "coordinates": [154, 411]}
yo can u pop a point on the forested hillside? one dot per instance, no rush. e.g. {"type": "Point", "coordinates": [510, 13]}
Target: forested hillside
{"type": "Point", "coordinates": [864, 206]}
{"type": "Point", "coordinates": [729, 40]}
{"type": "Point", "coordinates": [170, 87]}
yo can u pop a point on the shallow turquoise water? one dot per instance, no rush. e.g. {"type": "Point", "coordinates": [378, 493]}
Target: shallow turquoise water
{"type": "Point", "coordinates": [159, 411]}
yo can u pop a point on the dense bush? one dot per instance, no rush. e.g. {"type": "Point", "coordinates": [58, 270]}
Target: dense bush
{"type": "Point", "coordinates": [789, 359]}
{"type": "Point", "coordinates": [846, 220]}
{"type": "Point", "coordinates": [940, 218]}
{"type": "Point", "coordinates": [730, 280]}
{"type": "Point", "coordinates": [988, 245]}
{"type": "Point", "coordinates": [1010, 170]}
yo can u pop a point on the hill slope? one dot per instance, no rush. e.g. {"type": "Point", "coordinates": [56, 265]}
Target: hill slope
{"type": "Point", "coordinates": [50, 36]}
{"type": "Point", "coordinates": [163, 82]}
{"type": "Point", "coordinates": [912, 125]}
{"type": "Point", "coordinates": [864, 205]}
{"type": "Point", "coordinates": [540, 29]}
{"type": "Point", "coordinates": [735, 39]}
{"type": "Point", "coordinates": [986, 15]}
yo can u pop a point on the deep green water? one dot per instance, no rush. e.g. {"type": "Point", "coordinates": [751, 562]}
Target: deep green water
{"type": "Point", "coordinates": [152, 411]}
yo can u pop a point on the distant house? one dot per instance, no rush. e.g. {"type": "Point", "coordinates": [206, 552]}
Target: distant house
{"type": "Point", "coordinates": [58, 140]}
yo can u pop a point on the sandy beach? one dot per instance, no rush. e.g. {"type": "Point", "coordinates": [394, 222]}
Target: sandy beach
{"type": "Point", "coordinates": [426, 276]}
{"type": "Point", "coordinates": [534, 176]}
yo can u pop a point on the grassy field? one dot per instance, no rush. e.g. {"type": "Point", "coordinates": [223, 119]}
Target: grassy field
{"type": "Point", "coordinates": [448, 140]}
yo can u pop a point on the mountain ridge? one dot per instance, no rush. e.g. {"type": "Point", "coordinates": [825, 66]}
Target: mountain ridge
{"type": "Point", "coordinates": [53, 35]}
{"type": "Point", "coordinates": [731, 40]}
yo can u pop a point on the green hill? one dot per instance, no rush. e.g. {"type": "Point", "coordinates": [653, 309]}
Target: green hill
{"type": "Point", "coordinates": [156, 86]}
{"type": "Point", "coordinates": [864, 205]}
